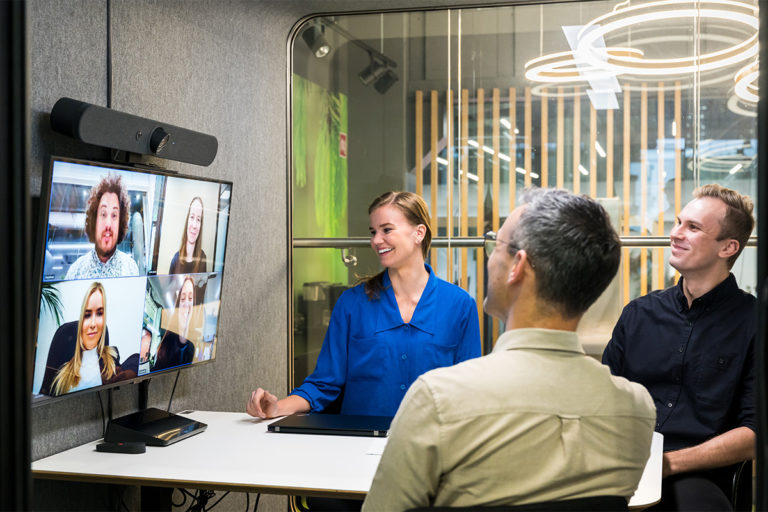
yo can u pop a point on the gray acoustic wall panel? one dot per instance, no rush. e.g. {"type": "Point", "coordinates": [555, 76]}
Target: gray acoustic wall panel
{"type": "Point", "coordinates": [67, 45]}
{"type": "Point", "coordinates": [203, 68]}
{"type": "Point", "coordinates": [67, 48]}
{"type": "Point", "coordinates": [201, 65]}
{"type": "Point", "coordinates": [214, 67]}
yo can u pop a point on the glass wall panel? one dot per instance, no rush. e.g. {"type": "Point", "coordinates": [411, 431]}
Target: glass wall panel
{"type": "Point", "coordinates": [632, 103]}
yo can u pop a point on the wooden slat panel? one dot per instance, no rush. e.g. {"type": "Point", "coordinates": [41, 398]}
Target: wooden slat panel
{"type": "Point", "coordinates": [433, 100]}
{"type": "Point", "coordinates": [626, 196]}
{"type": "Point", "coordinates": [495, 185]}
{"type": "Point", "coordinates": [560, 138]}
{"type": "Point", "coordinates": [576, 140]}
{"type": "Point", "coordinates": [528, 137]}
{"type": "Point", "coordinates": [480, 292]}
{"type": "Point", "coordinates": [678, 157]}
{"type": "Point", "coordinates": [464, 181]}
{"type": "Point", "coordinates": [609, 153]}
{"type": "Point", "coordinates": [512, 153]}
{"type": "Point", "coordinates": [449, 184]}
{"type": "Point", "coordinates": [678, 153]}
{"type": "Point", "coordinates": [658, 262]}
{"type": "Point", "coordinates": [643, 184]}
{"type": "Point", "coordinates": [419, 143]}
{"type": "Point", "coordinates": [592, 151]}
{"type": "Point", "coordinates": [544, 139]}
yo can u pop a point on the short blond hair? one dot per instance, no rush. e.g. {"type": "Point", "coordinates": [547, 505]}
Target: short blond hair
{"type": "Point", "coordinates": [738, 221]}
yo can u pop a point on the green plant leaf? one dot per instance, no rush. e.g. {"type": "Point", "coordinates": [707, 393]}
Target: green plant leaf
{"type": "Point", "coordinates": [50, 299]}
{"type": "Point", "coordinates": [300, 91]}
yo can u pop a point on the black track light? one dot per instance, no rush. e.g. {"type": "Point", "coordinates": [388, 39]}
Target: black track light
{"type": "Point", "coordinates": [386, 81]}
{"type": "Point", "coordinates": [375, 70]}
{"type": "Point", "coordinates": [316, 41]}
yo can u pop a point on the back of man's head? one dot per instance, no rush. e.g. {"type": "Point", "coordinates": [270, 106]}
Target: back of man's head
{"type": "Point", "coordinates": [570, 241]}
{"type": "Point", "coordinates": [738, 221]}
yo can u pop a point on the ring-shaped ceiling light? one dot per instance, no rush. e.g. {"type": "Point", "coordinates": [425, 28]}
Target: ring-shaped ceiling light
{"type": "Point", "coordinates": [724, 155]}
{"type": "Point", "coordinates": [558, 91]}
{"type": "Point", "coordinates": [631, 83]}
{"type": "Point", "coordinates": [647, 83]}
{"type": "Point", "coordinates": [746, 87]}
{"type": "Point", "coordinates": [743, 109]}
{"type": "Point", "coordinates": [662, 10]}
{"type": "Point", "coordinates": [564, 67]}
{"type": "Point", "coordinates": [724, 163]}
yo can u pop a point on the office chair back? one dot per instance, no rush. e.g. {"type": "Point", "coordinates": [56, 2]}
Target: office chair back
{"type": "Point", "coordinates": [741, 494]}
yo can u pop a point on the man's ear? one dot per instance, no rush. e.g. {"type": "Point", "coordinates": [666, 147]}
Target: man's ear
{"type": "Point", "coordinates": [730, 248]}
{"type": "Point", "coordinates": [517, 267]}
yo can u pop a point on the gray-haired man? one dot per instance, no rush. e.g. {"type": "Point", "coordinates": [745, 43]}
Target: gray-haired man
{"type": "Point", "coordinates": [535, 420]}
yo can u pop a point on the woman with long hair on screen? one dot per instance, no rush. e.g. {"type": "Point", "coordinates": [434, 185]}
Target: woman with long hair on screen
{"type": "Point", "coordinates": [389, 329]}
{"type": "Point", "coordinates": [94, 362]}
{"type": "Point", "coordinates": [190, 258]}
{"type": "Point", "coordinates": [176, 347]}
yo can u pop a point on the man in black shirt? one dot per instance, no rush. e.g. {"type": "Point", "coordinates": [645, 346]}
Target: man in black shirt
{"type": "Point", "coordinates": [693, 347]}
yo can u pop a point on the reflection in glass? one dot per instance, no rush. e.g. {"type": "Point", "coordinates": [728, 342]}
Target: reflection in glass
{"type": "Point", "coordinates": [604, 98]}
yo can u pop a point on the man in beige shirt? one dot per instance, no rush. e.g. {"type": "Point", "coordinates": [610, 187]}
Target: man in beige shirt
{"type": "Point", "coordinates": [537, 419]}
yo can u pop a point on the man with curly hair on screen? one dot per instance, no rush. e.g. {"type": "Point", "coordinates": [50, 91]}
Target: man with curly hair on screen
{"type": "Point", "coordinates": [106, 223]}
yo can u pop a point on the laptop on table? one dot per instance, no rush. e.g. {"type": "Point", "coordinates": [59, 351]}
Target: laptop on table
{"type": "Point", "coordinates": [333, 424]}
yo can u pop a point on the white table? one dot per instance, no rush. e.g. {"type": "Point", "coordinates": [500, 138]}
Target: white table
{"type": "Point", "coordinates": [649, 489]}
{"type": "Point", "coordinates": [237, 453]}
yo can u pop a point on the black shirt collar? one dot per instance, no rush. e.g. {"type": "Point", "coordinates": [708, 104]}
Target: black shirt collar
{"type": "Point", "coordinates": [727, 288]}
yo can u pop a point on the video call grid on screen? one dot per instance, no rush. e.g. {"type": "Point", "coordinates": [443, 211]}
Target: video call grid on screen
{"type": "Point", "coordinates": [142, 282]}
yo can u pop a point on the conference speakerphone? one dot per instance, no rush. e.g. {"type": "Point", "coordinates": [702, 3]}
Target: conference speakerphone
{"type": "Point", "coordinates": [333, 424]}
{"type": "Point", "coordinates": [127, 447]}
{"type": "Point", "coordinates": [154, 427]}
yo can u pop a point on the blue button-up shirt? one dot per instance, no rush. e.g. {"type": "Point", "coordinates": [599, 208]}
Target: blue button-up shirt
{"type": "Point", "coordinates": [372, 356]}
{"type": "Point", "coordinates": [698, 363]}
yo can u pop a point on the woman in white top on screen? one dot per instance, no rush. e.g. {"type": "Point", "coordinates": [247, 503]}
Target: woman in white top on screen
{"type": "Point", "coordinates": [94, 362]}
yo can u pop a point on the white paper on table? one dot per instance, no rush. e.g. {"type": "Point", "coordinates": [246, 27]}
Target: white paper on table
{"type": "Point", "coordinates": [377, 446]}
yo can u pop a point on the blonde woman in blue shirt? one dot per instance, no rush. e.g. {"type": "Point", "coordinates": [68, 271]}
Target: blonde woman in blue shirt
{"type": "Point", "coordinates": [388, 330]}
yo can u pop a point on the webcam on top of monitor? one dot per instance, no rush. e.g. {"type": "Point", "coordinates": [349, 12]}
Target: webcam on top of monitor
{"type": "Point", "coordinates": [110, 128]}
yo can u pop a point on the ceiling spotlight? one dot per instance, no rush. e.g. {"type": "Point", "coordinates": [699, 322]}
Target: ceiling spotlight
{"type": "Point", "coordinates": [386, 81]}
{"type": "Point", "coordinates": [373, 71]}
{"type": "Point", "coordinates": [316, 41]}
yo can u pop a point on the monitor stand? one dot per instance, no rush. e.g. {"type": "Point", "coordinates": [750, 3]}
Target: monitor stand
{"type": "Point", "coordinates": [154, 427]}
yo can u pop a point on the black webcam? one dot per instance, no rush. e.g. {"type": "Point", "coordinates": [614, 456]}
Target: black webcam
{"type": "Point", "coordinates": [103, 126]}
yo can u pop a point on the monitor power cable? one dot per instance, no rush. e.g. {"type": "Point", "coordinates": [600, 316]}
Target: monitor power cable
{"type": "Point", "coordinates": [103, 418]}
{"type": "Point", "coordinates": [170, 400]}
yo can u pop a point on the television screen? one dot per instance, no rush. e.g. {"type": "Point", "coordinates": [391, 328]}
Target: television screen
{"type": "Point", "coordinates": [132, 271]}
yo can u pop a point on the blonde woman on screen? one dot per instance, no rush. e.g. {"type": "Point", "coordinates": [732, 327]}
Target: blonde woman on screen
{"type": "Point", "coordinates": [94, 362]}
